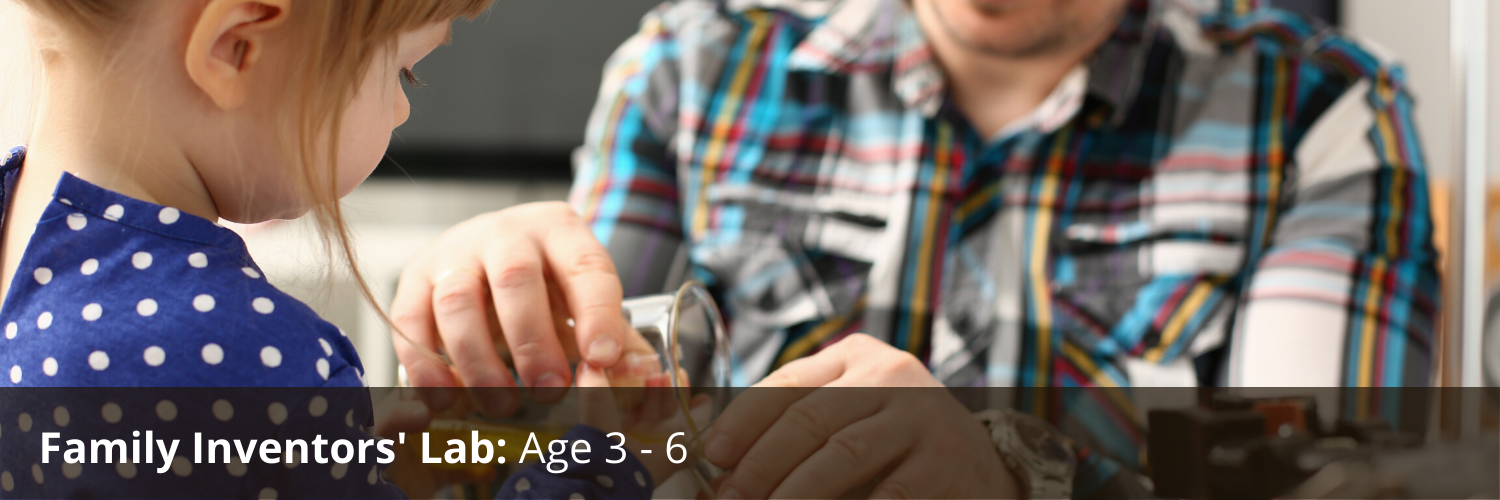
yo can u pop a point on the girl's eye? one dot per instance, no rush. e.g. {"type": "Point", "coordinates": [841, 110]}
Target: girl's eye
{"type": "Point", "coordinates": [411, 78]}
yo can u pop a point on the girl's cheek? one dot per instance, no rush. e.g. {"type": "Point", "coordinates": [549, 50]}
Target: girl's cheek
{"type": "Point", "coordinates": [403, 108]}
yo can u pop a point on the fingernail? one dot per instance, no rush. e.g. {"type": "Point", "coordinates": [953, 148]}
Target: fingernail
{"type": "Point", "coordinates": [730, 493]}
{"type": "Point", "coordinates": [551, 380]}
{"type": "Point", "coordinates": [603, 351]}
{"type": "Point", "coordinates": [549, 387]}
{"type": "Point", "coordinates": [720, 449]}
{"type": "Point", "coordinates": [419, 412]}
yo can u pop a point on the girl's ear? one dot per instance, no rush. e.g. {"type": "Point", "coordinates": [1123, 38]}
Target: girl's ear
{"type": "Point", "coordinates": [226, 43]}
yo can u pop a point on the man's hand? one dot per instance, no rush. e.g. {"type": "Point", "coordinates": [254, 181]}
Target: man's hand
{"type": "Point", "coordinates": [829, 437]}
{"type": "Point", "coordinates": [503, 283]}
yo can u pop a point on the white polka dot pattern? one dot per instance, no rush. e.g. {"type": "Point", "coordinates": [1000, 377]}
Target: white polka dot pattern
{"type": "Point", "coordinates": [270, 356]}
{"type": "Point", "coordinates": [166, 410]}
{"type": "Point", "coordinates": [277, 412]}
{"type": "Point", "coordinates": [203, 303]}
{"type": "Point", "coordinates": [182, 467]}
{"type": "Point", "coordinates": [125, 469]}
{"type": "Point", "coordinates": [99, 360]}
{"type": "Point", "coordinates": [155, 356]}
{"type": "Point", "coordinates": [92, 312]}
{"type": "Point", "coordinates": [318, 406]}
{"type": "Point", "coordinates": [141, 260]}
{"type": "Point", "coordinates": [146, 307]}
{"type": "Point", "coordinates": [187, 305]}
{"type": "Point", "coordinates": [213, 354]}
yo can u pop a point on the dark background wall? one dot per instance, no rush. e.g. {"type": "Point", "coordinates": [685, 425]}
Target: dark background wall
{"type": "Point", "coordinates": [510, 97]}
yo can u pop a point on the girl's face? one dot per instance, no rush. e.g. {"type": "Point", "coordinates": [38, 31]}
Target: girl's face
{"type": "Point", "coordinates": [250, 182]}
{"type": "Point", "coordinates": [380, 105]}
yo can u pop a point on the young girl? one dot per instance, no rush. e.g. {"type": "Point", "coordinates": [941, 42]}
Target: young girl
{"type": "Point", "coordinates": [156, 120]}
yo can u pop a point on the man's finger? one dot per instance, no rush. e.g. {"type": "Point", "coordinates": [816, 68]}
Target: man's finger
{"type": "Point", "coordinates": [415, 339]}
{"type": "Point", "coordinates": [801, 431]}
{"type": "Point", "coordinates": [459, 300]}
{"type": "Point", "coordinates": [916, 477]}
{"type": "Point", "coordinates": [562, 323]}
{"type": "Point", "coordinates": [745, 420]}
{"type": "Point", "coordinates": [586, 274]}
{"type": "Point", "coordinates": [755, 410]}
{"type": "Point", "coordinates": [813, 371]}
{"type": "Point", "coordinates": [519, 288]}
{"type": "Point", "coordinates": [848, 459]}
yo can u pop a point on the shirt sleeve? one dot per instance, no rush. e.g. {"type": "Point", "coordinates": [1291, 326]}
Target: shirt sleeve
{"type": "Point", "coordinates": [625, 185]}
{"type": "Point", "coordinates": [1347, 292]}
{"type": "Point", "coordinates": [597, 479]}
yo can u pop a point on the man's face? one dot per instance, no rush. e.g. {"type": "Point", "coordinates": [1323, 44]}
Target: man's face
{"type": "Point", "coordinates": [1021, 29]}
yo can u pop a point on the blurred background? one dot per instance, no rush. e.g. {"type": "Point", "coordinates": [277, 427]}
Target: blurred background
{"type": "Point", "coordinates": [505, 105]}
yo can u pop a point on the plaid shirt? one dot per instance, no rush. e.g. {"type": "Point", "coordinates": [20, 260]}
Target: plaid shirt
{"type": "Point", "coordinates": [1232, 198]}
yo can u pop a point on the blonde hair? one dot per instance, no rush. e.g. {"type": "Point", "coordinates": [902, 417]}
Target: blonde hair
{"type": "Point", "coordinates": [322, 84]}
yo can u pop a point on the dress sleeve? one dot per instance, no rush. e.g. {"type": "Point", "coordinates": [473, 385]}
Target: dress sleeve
{"type": "Point", "coordinates": [342, 459]}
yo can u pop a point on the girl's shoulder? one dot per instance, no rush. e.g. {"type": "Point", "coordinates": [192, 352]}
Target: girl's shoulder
{"type": "Point", "coordinates": [114, 291]}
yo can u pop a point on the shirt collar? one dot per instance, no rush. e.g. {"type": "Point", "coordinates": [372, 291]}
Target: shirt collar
{"type": "Point", "coordinates": [861, 36]}
{"type": "Point", "coordinates": [867, 36]}
{"type": "Point", "coordinates": [1116, 69]}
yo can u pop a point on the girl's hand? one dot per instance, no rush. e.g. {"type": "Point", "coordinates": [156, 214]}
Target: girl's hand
{"type": "Point", "coordinates": [505, 284]}
{"type": "Point", "coordinates": [600, 410]}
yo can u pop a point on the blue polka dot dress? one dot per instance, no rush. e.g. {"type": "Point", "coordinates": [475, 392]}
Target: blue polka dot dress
{"type": "Point", "coordinates": [114, 292]}
{"type": "Point", "coordinates": [125, 316]}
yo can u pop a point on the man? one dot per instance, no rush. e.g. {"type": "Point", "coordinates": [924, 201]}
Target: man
{"type": "Point", "coordinates": [1043, 193]}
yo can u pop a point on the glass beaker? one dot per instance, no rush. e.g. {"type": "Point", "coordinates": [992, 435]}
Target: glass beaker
{"type": "Point", "coordinates": [677, 345]}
